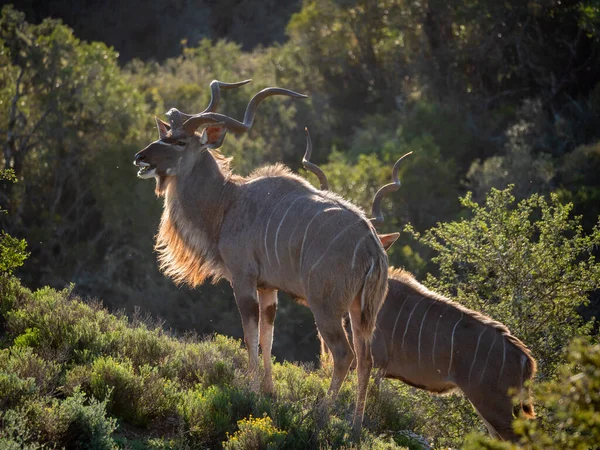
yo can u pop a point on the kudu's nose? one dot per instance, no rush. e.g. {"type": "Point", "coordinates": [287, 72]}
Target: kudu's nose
{"type": "Point", "coordinates": [139, 157]}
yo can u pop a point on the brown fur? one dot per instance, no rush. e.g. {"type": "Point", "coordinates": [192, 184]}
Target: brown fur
{"type": "Point", "coordinates": [397, 354]}
{"type": "Point", "coordinates": [413, 340]}
{"type": "Point", "coordinates": [271, 230]}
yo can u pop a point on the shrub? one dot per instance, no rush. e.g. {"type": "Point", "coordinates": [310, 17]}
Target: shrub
{"type": "Point", "coordinates": [215, 361]}
{"type": "Point", "coordinates": [76, 422]}
{"type": "Point", "coordinates": [14, 389]}
{"type": "Point", "coordinates": [185, 393]}
{"type": "Point", "coordinates": [87, 426]}
{"type": "Point", "coordinates": [138, 397]}
{"type": "Point", "coordinates": [142, 345]}
{"type": "Point", "coordinates": [255, 434]}
{"type": "Point", "coordinates": [26, 364]}
{"type": "Point", "coordinates": [210, 414]}
{"type": "Point", "coordinates": [53, 321]}
{"type": "Point", "coordinates": [529, 265]}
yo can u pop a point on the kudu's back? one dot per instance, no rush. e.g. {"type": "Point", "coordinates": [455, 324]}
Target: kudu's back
{"type": "Point", "coordinates": [306, 242]}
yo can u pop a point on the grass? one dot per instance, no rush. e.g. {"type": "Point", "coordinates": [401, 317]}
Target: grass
{"type": "Point", "coordinates": [73, 375]}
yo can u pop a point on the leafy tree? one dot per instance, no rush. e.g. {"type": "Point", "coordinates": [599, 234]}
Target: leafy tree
{"type": "Point", "coordinates": [12, 250]}
{"type": "Point", "coordinates": [71, 116]}
{"type": "Point", "coordinates": [529, 265]}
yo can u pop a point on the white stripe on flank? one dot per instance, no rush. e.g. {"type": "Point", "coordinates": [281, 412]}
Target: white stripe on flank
{"type": "Point", "coordinates": [394, 329]}
{"type": "Point", "coordinates": [523, 361]}
{"type": "Point", "coordinates": [356, 248]}
{"type": "Point", "coordinates": [452, 342]}
{"type": "Point", "coordinates": [476, 351]}
{"type": "Point", "coordinates": [503, 356]}
{"type": "Point", "coordinates": [408, 322]}
{"type": "Point", "coordinates": [279, 228]}
{"type": "Point", "coordinates": [488, 357]}
{"type": "Point", "coordinates": [435, 335]}
{"type": "Point", "coordinates": [306, 232]}
{"type": "Point", "coordinates": [420, 331]}
{"type": "Point", "coordinates": [362, 296]}
{"type": "Point", "coordinates": [269, 222]}
{"type": "Point", "coordinates": [292, 234]}
{"type": "Point", "coordinates": [329, 246]}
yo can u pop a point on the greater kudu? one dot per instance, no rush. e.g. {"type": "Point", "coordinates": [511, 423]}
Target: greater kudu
{"type": "Point", "coordinates": [433, 343]}
{"type": "Point", "coordinates": [271, 230]}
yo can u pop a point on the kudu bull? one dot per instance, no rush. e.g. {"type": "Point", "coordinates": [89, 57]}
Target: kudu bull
{"type": "Point", "coordinates": [271, 230]}
{"type": "Point", "coordinates": [432, 343]}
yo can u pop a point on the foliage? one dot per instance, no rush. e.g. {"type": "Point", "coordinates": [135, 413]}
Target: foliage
{"type": "Point", "coordinates": [255, 433]}
{"type": "Point", "coordinates": [76, 422]}
{"type": "Point", "coordinates": [12, 253]}
{"type": "Point", "coordinates": [138, 396]}
{"type": "Point", "coordinates": [68, 110]}
{"type": "Point", "coordinates": [572, 407]}
{"type": "Point", "coordinates": [529, 265]}
{"type": "Point", "coordinates": [12, 250]}
{"type": "Point", "coordinates": [69, 370]}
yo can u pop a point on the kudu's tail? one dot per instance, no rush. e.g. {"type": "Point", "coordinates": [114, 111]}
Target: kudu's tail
{"type": "Point", "coordinates": [373, 294]}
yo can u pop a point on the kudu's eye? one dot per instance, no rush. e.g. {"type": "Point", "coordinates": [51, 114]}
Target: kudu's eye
{"type": "Point", "coordinates": [180, 143]}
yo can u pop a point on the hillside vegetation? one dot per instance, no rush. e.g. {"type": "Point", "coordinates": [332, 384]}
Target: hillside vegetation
{"type": "Point", "coordinates": [73, 375]}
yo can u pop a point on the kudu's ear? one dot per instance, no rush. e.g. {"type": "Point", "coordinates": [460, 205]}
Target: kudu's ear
{"type": "Point", "coordinates": [214, 135]}
{"type": "Point", "coordinates": [387, 240]}
{"type": "Point", "coordinates": [163, 127]}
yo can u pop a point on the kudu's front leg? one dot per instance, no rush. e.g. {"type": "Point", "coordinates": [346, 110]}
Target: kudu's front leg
{"type": "Point", "coordinates": [268, 307]}
{"type": "Point", "coordinates": [247, 302]}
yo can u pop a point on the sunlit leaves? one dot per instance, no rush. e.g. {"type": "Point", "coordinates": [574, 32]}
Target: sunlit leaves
{"type": "Point", "coordinates": [528, 264]}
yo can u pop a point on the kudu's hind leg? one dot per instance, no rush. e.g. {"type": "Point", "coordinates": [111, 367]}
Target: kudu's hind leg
{"type": "Point", "coordinates": [364, 364]}
{"type": "Point", "coordinates": [247, 302]}
{"type": "Point", "coordinates": [268, 307]}
{"type": "Point", "coordinates": [334, 335]}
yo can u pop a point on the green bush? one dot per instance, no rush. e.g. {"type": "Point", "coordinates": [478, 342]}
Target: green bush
{"type": "Point", "coordinates": [218, 361]}
{"type": "Point", "coordinates": [138, 396]}
{"type": "Point", "coordinates": [76, 422]}
{"type": "Point", "coordinates": [68, 362]}
{"type": "Point", "coordinates": [208, 415]}
{"type": "Point", "coordinates": [24, 363]}
{"type": "Point", "coordinates": [14, 389]}
{"type": "Point", "coordinates": [255, 433]}
{"type": "Point", "coordinates": [528, 264]}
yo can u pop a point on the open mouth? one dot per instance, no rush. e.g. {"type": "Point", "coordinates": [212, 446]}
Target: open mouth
{"type": "Point", "coordinates": [146, 170]}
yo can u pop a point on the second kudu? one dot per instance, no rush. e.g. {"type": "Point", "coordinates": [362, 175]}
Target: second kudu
{"type": "Point", "coordinates": [266, 232]}
{"type": "Point", "coordinates": [433, 343]}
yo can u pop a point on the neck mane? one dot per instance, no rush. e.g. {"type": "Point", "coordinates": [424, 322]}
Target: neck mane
{"type": "Point", "coordinates": [195, 204]}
